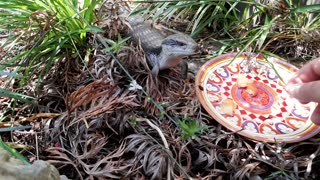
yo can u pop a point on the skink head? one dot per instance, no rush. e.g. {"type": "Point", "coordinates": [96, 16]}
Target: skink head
{"type": "Point", "coordinates": [179, 45]}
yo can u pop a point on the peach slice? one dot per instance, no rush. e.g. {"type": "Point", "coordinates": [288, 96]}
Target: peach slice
{"type": "Point", "coordinates": [252, 89]}
{"type": "Point", "coordinates": [243, 81]}
{"type": "Point", "coordinates": [227, 107]}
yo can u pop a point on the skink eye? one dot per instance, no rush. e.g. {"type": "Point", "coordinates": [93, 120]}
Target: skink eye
{"type": "Point", "coordinates": [172, 42]}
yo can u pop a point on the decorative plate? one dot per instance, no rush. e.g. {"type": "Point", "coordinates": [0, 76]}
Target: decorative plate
{"type": "Point", "coordinates": [246, 95]}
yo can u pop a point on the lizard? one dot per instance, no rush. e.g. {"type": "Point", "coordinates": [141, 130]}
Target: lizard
{"type": "Point", "coordinates": [162, 52]}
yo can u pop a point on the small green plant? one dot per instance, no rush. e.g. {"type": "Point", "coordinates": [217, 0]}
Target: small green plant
{"type": "Point", "coordinates": [281, 174]}
{"type": "Point", "coordinates": [117, 46]}
{"type": "Point", "coordinates": [190, 128]}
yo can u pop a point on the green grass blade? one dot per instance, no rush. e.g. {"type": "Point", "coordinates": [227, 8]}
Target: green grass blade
{"type": "Point", "coordinates": [8, 129]}
{"type": "Point", "coordinates": [14, 152]}
{"type": "Point", "coordinates": [17, 96]}
{"type": "Point", "coordinates": [9, 74]}
{"type": "Point", "coordinates": [307, 8]}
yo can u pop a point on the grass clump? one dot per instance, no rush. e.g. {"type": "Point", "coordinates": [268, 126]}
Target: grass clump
{"type": "Point", "coordinates": [48, 30]}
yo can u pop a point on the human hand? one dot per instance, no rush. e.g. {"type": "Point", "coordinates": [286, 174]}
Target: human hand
{"type": "Point", "coordinates": [305, 86]}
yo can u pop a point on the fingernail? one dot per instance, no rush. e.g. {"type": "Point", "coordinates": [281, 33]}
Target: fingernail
{"type": "Point", "coordinates": [296, 79]}
{"type": "Point", "coordinates": [293, 89]}
{"type": "Point", "coordinates": [289, 87]}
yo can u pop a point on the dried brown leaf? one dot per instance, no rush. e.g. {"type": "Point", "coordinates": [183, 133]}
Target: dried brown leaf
{"type": "Point", "coordinates": [149, 154]}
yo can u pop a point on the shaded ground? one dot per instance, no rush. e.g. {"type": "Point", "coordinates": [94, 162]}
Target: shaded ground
{"type": "Point", "coordinates": [95, 126]}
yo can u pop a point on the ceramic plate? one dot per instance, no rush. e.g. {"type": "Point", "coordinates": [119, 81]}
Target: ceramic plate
{"type": "Point", "coordinates": [246, 95]}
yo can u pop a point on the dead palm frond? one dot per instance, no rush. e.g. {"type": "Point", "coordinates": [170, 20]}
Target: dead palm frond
{"type": "Point", "coordinates": [148, 154]}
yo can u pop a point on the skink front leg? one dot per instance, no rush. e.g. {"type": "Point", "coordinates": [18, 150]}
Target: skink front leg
{"type": "Point", "coordinates": [184, 69]}
{"type": "Point", "coordinates": [155, 71]}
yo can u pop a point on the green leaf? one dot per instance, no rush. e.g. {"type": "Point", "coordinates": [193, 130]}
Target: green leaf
{"type": "Point", "coordinates": [17, 96]}
{"type": "Point", "coordinates": [139, 11]}
{"type": "Point", "coordinates": [266, 30]}
{"type": "Point", "coordinates": [307, 8]}
{"type": "Point", "coordinates": [94, 29]}
{"type": "Point", "coordinates": [13, 152]}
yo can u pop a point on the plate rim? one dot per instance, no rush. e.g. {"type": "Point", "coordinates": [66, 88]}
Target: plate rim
{"type": "Point", "coordinates": [306, 133]}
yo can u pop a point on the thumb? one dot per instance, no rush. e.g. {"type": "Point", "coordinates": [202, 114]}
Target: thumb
{"type": "Point", "coordinates": [305, 92]}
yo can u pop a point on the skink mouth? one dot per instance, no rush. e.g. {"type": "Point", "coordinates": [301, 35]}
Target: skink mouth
{"type": "Point", "coordinates": [186, 52]}
{"type": "Point", "coordinates": [195, 53]}
{"type": "Point", "coordinates": [196, 50]}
